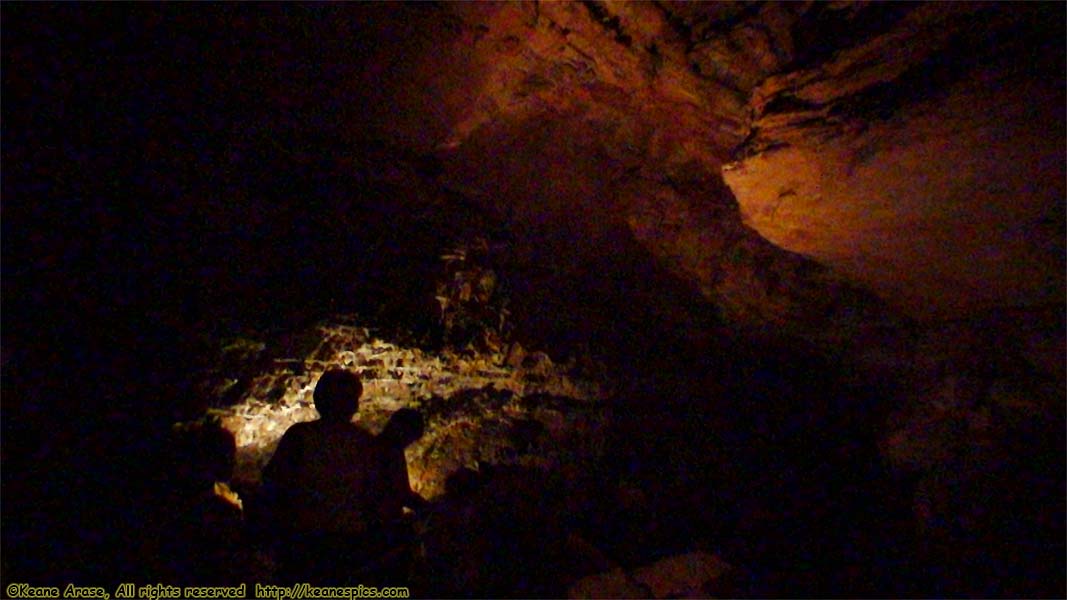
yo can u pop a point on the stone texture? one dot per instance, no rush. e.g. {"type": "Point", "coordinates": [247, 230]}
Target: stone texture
{"type": "Point", "coordinates": [612, 584]}
{"type": "Point", "coordinates": [478, 409]}
{"type": "Point", "coordinates": [690, 575]}
{"type": "Point", "coordinates": [853, 123]}
{"type": "Point", "coordinates": [915, 149]}
{"type": "Point", "coordinates": [682, 576]}
{"type": "Point", "coordinates": [982, 420]}
{"type": "Point", "coordinates": [774, 161]}
{"type": "Point", "coordinates": [941, 208]}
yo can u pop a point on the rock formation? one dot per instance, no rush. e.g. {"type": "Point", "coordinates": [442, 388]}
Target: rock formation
{"type": "Point", "coordinates": [813, 252]}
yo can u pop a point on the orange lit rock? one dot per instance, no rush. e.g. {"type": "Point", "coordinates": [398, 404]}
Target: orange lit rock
{"type": "Point", "coordinates": [854, 124]}
{"type": "Point", "coordinates": [940, 208]}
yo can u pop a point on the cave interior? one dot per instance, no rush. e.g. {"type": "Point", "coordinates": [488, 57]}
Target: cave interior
{"type": "Point", "coordinates": [774, 291]}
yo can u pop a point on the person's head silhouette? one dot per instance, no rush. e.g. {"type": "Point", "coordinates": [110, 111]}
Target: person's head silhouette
{"type": "Point", "coordinates": [337, 395]}
{"type": "Point", "coordinates": [404, 427]}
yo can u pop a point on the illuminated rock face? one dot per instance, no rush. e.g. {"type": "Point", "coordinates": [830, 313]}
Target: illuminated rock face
{"type": "Point", "coordinates": [479, 409]}
{"type": "Point", "coordinates": [944, 200]}
{"type": "Point", "coordinates": [915, 149]}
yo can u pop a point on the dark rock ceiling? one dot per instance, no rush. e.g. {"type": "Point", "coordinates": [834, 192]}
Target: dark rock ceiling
{"type": "Point", "coordinates": [915, 149]}
{"type": "Point", "coordinates": [848, 133]}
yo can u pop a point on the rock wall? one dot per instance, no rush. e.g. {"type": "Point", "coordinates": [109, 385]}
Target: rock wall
{"type": "Point", "coordinates": [481, 408]}
{"type": "Point", "coordinates": [847, 133]}
{"type": "Point", "coordinates": [172, 170]}
{"type": "Point", "coordinates": [925, 162]}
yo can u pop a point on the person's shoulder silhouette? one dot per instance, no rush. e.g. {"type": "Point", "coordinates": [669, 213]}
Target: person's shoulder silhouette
{"type": "Point", "coordinates": [326, 471]}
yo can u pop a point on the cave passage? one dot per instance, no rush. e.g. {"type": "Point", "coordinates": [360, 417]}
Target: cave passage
{"type": "Point", "coordinates": [694, 299]}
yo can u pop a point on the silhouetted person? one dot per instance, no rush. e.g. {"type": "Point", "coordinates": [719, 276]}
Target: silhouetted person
{"type": "Point", "coordinates": [458, 547]}
{"type": "Point", "coordinates": [325, 477]}
{"type": "Point", "coordinates": [201, 535]}
{"type": "Point", "coordinates": [405, 427]}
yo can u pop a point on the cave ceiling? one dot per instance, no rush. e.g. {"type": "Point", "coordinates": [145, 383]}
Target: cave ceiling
{"type": "Point", "coordinates": [915, 149]}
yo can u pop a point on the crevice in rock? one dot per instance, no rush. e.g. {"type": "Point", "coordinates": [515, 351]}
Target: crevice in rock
{"type": "Point", "coordinates": [828, 28]}
{"type": "Point", "coordinates": [610, 22]}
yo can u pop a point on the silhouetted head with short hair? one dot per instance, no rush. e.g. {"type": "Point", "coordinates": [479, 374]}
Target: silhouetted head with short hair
{"type": "Point", "coordinates": [404, 427]}
{"type": "Point", "coordinates": [337, 395]}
